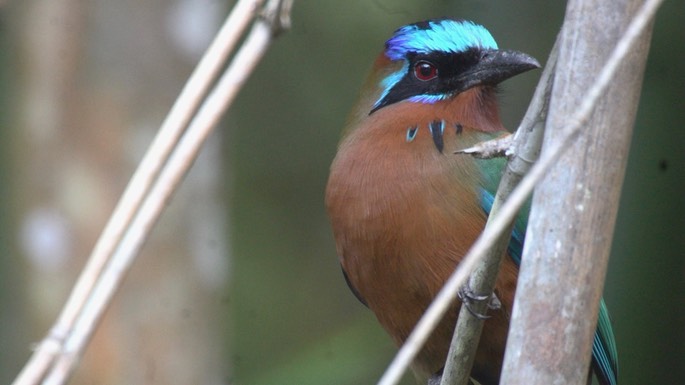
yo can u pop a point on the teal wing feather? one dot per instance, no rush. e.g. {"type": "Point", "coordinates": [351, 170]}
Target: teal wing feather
{"type": "Point", "coordinates": [604, 355]}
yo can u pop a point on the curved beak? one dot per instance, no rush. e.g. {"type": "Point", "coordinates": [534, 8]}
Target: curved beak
{"type": "Point", "coordinates": [496, 66]}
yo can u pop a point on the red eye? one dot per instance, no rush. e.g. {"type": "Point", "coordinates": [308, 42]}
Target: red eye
{"type": "Point", "coordinates": [425, 71]}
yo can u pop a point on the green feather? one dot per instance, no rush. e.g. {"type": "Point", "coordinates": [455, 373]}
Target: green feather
{"type": "Point", "coordinates": [604, 354]}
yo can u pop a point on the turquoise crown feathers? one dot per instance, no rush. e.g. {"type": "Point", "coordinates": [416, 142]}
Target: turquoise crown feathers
{"type": "Point", "coordinates": [445, 36]}
{"type": "Point", "coordinates": [441, 35]}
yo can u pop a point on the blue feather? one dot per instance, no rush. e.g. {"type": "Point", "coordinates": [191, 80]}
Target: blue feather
{"type": "Point", "coordinates": [444, 35]}
{"type": "Point", "coordinates": [390, 81]}
{"type": "Point", "coordinates": [429, 99]}
{"type": "Point", "coordinates": [604, 354]}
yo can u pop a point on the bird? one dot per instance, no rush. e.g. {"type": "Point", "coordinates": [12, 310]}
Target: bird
{"type": "Point", "coordinates": [404, 209]}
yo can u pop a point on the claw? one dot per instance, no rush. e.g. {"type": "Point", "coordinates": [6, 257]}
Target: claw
{"type": "Point", "coordinates": [437, 378]}
{"type": "Point", "coordinates": [494, 148]}
{"type": "Point", "coordinates": [468, 298]}
{"type": "Point", "coordinates": [494, 303]}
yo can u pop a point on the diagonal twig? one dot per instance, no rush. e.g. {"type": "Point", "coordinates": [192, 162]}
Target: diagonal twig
{"type": "Point", "coordinates": [151, 187]}
{"type": "Point", "coordinates": [527, 142]}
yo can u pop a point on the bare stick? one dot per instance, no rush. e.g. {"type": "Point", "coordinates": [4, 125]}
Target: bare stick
{"type": "Point", "coordinates": [574, 210]}
{"type": "Point", "coordinates": [508, 211]}
{"type": "Point", "coordinates": [178, 165]}
{"type": "Point", "coordinates": [482, 281]}
{"type": "Point", "coordinates": [168, 136]}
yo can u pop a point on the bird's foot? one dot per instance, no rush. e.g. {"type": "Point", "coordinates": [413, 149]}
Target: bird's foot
{"type": "Point", "coordinates": [469, 298]}
{"type": "Point", "coordinates": [494, 148]}
{"type": "Point", "coordinates": [436, 379]}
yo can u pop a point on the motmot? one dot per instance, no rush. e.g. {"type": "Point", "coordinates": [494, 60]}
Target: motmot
{"type": "Point", "coordinates": [405, 209]}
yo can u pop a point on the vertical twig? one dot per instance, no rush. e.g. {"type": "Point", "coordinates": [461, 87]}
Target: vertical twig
{"type": "Point", "coordinates": [574, 209]}
{"type": "Point", "coordinates": [528, 140]}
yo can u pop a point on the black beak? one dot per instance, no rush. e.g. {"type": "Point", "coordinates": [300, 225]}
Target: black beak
{"type": "Point", "coordinates": [494, 67]}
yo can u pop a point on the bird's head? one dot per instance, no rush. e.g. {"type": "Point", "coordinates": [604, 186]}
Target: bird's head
{"type": "Point", "coordinates": [435, 60]}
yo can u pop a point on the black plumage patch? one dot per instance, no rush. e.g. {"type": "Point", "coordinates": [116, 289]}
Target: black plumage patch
{"type": "Point", "coordinates": [411, 133]}
{"type": "Point", "coordinates": [426, 24]}
{"type": "Point", "coordinates": [459, 128]}
{"type": "Point", "coordinates": [449, 65]}
{"type": "Point", "coordinates": [437, 128]}
{"type": "Point", "coordinates": [354, 290]}
{"type": "Point", "coordinates": [423, 24]}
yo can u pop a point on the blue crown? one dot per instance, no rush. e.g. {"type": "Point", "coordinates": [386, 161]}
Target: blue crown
{"type": "Point", "coordinates": [442, 35]}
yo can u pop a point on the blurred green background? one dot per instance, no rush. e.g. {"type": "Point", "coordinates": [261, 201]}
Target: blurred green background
{"type": "Point", "coordinates": [282, 313]}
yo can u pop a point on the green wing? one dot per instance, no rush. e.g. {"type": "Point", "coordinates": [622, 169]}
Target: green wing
{"type": "Point", "coordinates": [604, 355]}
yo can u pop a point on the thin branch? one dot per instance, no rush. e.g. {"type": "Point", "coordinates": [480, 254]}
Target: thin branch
{"type": "Point", "coordinates": [178, 165]}
{"type": "Point", "coordinates": [495, 148]}
{"type": "Point", "coordinates": [518, 197]}
{"type": "Point", "coordinates": [482, 281]}
{"type": "Point", "coordinates": [137, 212]}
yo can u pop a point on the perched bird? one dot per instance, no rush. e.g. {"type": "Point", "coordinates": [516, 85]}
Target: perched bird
{"type": "Point", "coordinates": [404, 209]}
